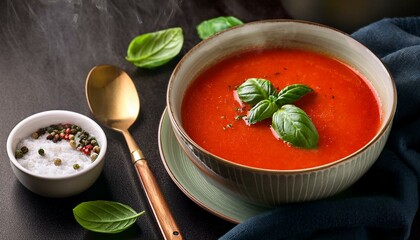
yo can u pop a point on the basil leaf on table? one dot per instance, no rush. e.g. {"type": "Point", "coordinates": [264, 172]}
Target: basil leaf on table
{"type": "Point", "coordinates": [292, 93]}
{"type": "Point", "coordinates": [254, 90]}
{"type": "Point", "coordinates": [154, 49]}
{"type": "Point", "coordinates": [294, 126]}
{"type": "Point", "coordinates": [212, 26]}
{"type": "Point", "coordinates": [105, 216]}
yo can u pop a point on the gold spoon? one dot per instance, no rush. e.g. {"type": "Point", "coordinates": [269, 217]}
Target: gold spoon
{"type": "Point", "coordinates": [113, 100]}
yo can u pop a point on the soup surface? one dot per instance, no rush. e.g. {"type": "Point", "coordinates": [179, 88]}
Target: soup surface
{"type": "Point", "coordinates": [343, 108]}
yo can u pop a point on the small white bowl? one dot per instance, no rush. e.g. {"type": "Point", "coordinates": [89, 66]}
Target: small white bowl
{"type": "Point", "coordinates": [56, 186]}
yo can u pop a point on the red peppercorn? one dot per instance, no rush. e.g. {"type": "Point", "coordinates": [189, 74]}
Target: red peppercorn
{"type": "Point", "coordinates": [85, 150]}
{"type": "Point", "coordinates": [56, 138]}
{"type": "Point", "coordinates": [68, 130]}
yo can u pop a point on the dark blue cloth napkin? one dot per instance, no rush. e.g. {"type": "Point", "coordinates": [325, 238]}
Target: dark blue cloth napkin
{"type": "Point", "coordinates": [383, 203]}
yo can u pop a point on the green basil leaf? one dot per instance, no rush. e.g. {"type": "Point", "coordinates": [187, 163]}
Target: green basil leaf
{"type": "Point", "coordinates": [292, 93]}
{"type": "Point", "coordinates": [154, 49]}
{"type": "Point", "coordinates": [262, 110]}
{"type": "Point", "coordinates": [212, 26]}
{"type": "Point", "coordinates": [254, 90]}
{"type": "Point", "coordinates": [295, 127]}
{"type": "Point", "coordinates": [105, 216]}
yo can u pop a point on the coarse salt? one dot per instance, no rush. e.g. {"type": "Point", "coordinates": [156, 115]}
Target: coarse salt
{"type": "Point", "coordinates": [44, 165]}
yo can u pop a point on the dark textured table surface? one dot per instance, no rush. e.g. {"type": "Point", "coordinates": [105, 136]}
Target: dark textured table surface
{"type": "Point", "coordinates": [47, 47]}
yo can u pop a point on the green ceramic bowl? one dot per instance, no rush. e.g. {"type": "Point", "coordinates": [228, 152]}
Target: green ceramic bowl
{"type": "Point", "coordinates": [274, 187]}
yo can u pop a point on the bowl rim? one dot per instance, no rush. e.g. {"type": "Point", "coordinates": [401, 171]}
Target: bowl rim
{"type": "Point", "coordinates": [48, 113]}
{"type": "Point", "coordinates": [178, 128]}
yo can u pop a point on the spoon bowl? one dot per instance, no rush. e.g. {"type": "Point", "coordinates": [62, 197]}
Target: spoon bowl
{"type": "Point", "coordinates": [112, 97]}
{"type": "Point", "coordinates": [113, 100]}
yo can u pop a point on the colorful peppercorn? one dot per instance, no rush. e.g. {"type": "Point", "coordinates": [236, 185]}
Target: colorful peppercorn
{"type": "Point", "coordinates": [35, 135]}
{"type": "Point", "coordinates": [41, 152]}
{"type": "Point", "coordinates": [78, 139]}
{"type": "Point", "coordinates": [57, 161]}
{"type": "Point", "coordinates": [96, 149]}
{"type": "Point", "coordinates": [18, 153]}
{"type": "Point", "coordinates": [24, 149]}
{"type": "Point", "coordinates": [73, 144]}
{"type": "Point", "coordinates": [93, 156]}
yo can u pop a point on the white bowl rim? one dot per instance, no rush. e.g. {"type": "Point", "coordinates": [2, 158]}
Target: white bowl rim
{"type": "Point", "coordinates": [43, 114]}
{"type": "Point", "coordinates": [378, 135]}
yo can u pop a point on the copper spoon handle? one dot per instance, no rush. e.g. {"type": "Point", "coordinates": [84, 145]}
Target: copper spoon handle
{"type": "Point", "coordinates": [157, 202]}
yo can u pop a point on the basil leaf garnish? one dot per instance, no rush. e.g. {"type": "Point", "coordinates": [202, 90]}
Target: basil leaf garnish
{"type": "Point", "coordinates": [292, 93]}
{"type": "Point", "coordinates": [294, 126]}
{"type": "Point", "coordinates": [154, 49]}
{"type": "Point", "coordinates": [105, 216]}
{"type": "Point", "coordinates": [262, 110]}
{"type": "Point", "coordinates": [212, 26]}
{"type": "Point", "coordinates": [291, 123]}
{"type": "Point", "coordinates": [254, 90]}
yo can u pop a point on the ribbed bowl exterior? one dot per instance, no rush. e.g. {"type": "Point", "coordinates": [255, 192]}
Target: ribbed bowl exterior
{"type": "Point", "coordinates": [273, 188]}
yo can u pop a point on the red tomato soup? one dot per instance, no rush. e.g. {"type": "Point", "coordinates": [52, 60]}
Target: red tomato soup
{"type": "Point", "coordinates": [343, 107]}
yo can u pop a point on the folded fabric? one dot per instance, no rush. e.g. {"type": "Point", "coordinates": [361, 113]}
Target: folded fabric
{"type": "Point", "coordinates": [383, 203]}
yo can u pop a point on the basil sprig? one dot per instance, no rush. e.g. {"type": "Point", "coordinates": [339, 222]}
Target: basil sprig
{"type": "Point", "coordinates": [154, 49]}
{"type": "Point", "coordinates": [212, 26]}
{"type": "Point", "coordinates": [105, 216]}
{"type": "Point", "coordinates": [291, 123]}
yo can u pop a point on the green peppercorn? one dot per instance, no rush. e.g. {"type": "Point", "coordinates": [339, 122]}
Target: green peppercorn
{"type": "Point", "coordinates": [76, 166]}
{"type": "Point", "coordinates": [73, 144]}
{"type": "Point", "coordinates": [18, 153]}
{"type": "Point", "coordinates": [76, 128]}
{"type": "Point", "coordinates": [50, 129]}
{"type": "Point", "coordinates": [24, 149]}
{"type": "Point", "coordinates": [96, 149]}
{"type": "Point", "coordinates": [35, 135]}
{"type": "Point", "coordinates": [41, 152]}
{"type": "Point", "coordinates": [41, 131]}
{"type": "Point", "coordinates": [93, 156]}
{"type": "Point", "coordinates": [84, 142]}
{"type": "Point", "coordinates": [57, 161]}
